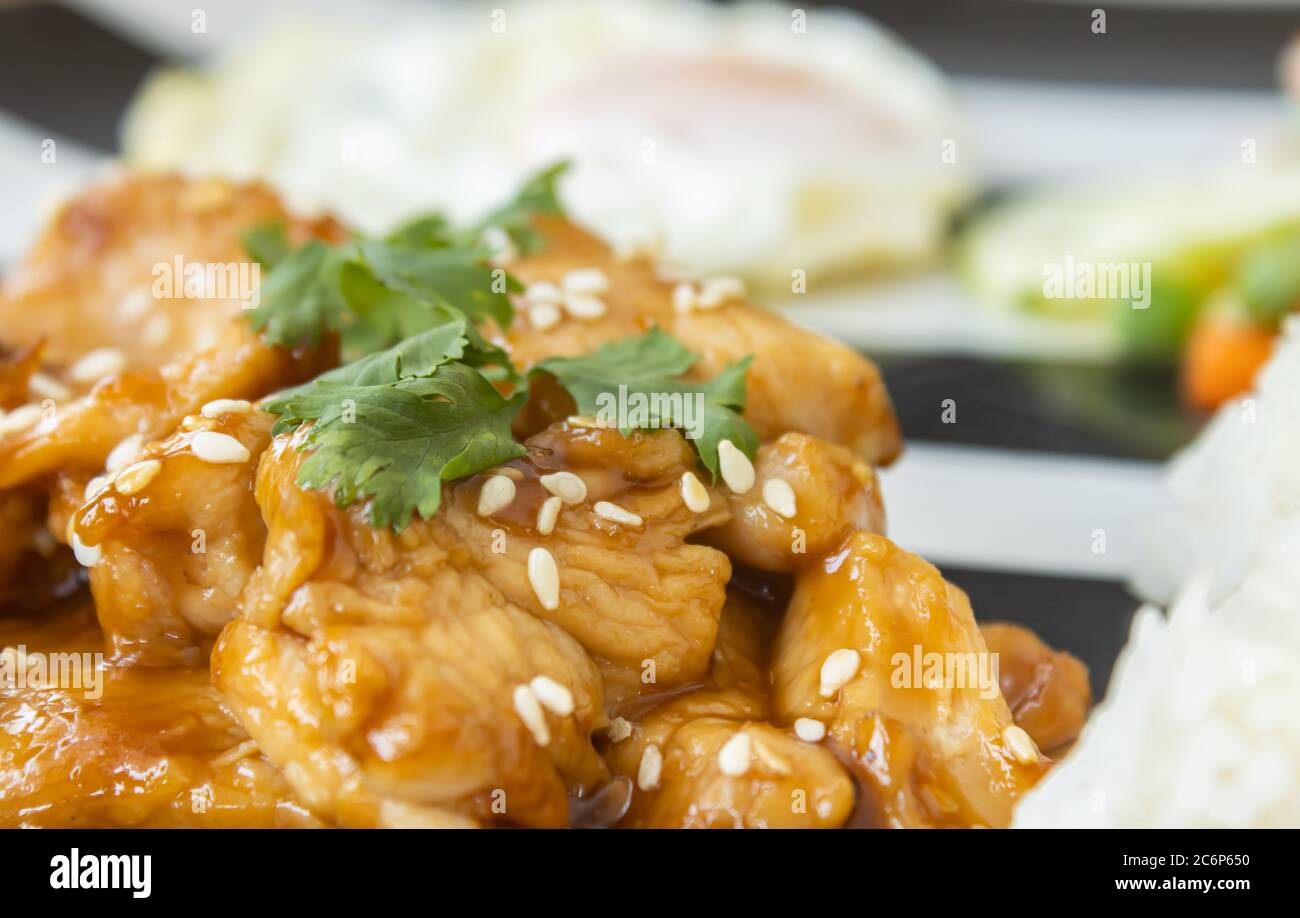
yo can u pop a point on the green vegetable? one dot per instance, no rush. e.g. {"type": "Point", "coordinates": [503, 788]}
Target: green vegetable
{"type": "Point", "coordinates": [393, 426]}
{"type": "Point", "coordinates": [648, 366]}
{"type": "Point", "coordinates": [301, 297]}
{"type": "Point", "coordinates": [1268, 280]}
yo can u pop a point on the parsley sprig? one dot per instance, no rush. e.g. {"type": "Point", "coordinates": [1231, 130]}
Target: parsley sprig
{"type": "Point", "coordinates": [426, 399]}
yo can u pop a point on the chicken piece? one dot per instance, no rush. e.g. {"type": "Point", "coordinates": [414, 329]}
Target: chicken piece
{"type": "Point", "coordinates": [108, 746]}
{"type": "Point", "coordinates": [86, 291]}
{"type": "Point", "coordinates": [834, 493]}
{"type": "Point", "coordinates": [799, 381]}
{"type": "Point", "coordinates": [105, 272]}
{"type": "Point", "coordinates": [775, 780]}
{"type": "Point", "coordinates": [171, 539]}
{"type": "Point", "coordinates": [879, 647]}
{"type": "Point", "coordinates": [1047, 690]}
{"type": "Point", "coordinates": [16, 369]}
{"type": "Point", "coordinates": [641, 599]}
{"type": "Point", "coordinates": [385, 675]}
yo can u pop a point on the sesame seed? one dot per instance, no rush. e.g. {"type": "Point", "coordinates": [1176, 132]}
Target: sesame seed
{"type": "Point", "coordinates": [218, 448]}
{"type": "Point", "coordinates": [20, 418]}
{"type": "Point", "coordinates": [220, 406]}
{"type": "Point", "coordinates": [543, 292]}
{"type": "Point", "coordinates": [733, 757]}
{"type": "Point", "coordinates": [1021, 745]}
{"type": "Point", "coordinates": [548, 514]}
{"type": "Point", "coordinates": [737, 470]}
{"type": "Point", "coordinates": [157, 329]}
{"type": "Point", "coordinates": [684, 298]}
{"type": "Point", "coordinates": [530, 712]}
{"type": "Point", "coordinates": [619, 729]}
{"type": "Point", "coordinates": [584, 307]}
{"type": "Point", "coordinates": [124, 453]}
{"type": "Point", "coordinates": [43, 385]}
{"type": "Point", "coordinates": [544, 577]}
{"type": "Point", "coordinates": [96, 486]}
{"type": "Point", "coordinates": [86, 555]}
{"type": "Point", "coordinates": [718, 290]}
{"type": "Point", "coordinates": [97, 364]}
{"type": "Point", "coordinates": [809, 730]}
{"type": "Point", "coordinates": [134, 303]}
{"type": "Point", "coordinates": [567, 486]}
{"type": "Point", "coordinates": [824, 808]}
{"type": "Point", "coordinates": [651, 768]}
{"type": "Point", "coordinates": [555, 697]}
{"type": "Point", "coordinates": [694, 495]}
{"type": "Point", "coordinates": [616, 514]}
{"type": "Point", "coordinates": [136, 477]}
{"type": "Point", "coordinates": [585, 281]}
{"type": "Point", "coordinates": [496, 494]}
{"type": "Point", "coordinates": [544, 316]}
{"type": "Point", "coordinates": [778, 495]}
{"type": "Point", "coordinates": [838, 668]}
{"type": "Point", "coordinates": [581, 420]}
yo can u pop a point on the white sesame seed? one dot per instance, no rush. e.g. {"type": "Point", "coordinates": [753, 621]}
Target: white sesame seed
{"type": "Point", "coordinates": [651, 768]}
{"type": "Point", "coordinates": [616, 514]}
{"type": "Point", "coordinates": [737, 470]}
{"type": "Point", "coordinates": [619, 729]}
{"type": "Point", "coordinates": [86, 555]}
{"type": "Point", "coordinates": [809, 730]}
{"type": "Point", "coordinates": [218, 448]}
{"type": "Point", "coordinates": [496, 494]}
{"type": "Point", "coordinates": [20, 418]}
{"type": "Point", "coordinates": [555, 697]}
{"type": "Point", "coordinates": [124, 453]}
{"type": "Point", "coordinates": [134, 303]}
{"type": "Point", "coordinates": [157, 330]}
{"type": "Point", "coordinates": [1021, 745]}
{"type": "Point", "coordinates": [42, 385]}
{"type": "Point", "coordinates": [584, 307]}
{"type": "Point", "coordinates": [824, 808]}
{"type": "Point", "coordinates": [97, 364]}
{"type": "Point", "coordinates": [217, 407]}
{"type": "Point", "coordinates": [544, 577]}
{"type": "Point", "coordinates": [136, 477]}
{"type": "Point", "coordinates": [96, 486]}
{"type": "Point", "coordinates": [544, 316]}
{"type": "Point", "coordinates": [567, 486]}
{"type": "Point", "coordinates": [694, 495]}
{"type": "Point", "coordinates": [683, 298]}
{"type": "Point", "coordinates": [778, 495]}
{"type": "Point", "coordinates": [588, 281]}
{"type": "Point", "coordinates": [733, 757]}
{"type": "Point", "coordinates": [718, 290]}
{"type": "Point", "coordinates": [543, 292]}
{"type": "Point", "coordinates": [837, 669]}
{"type": "Point", "coordinates": [547, 514]}
{"type": "Point", "coordinates": [530, 712]}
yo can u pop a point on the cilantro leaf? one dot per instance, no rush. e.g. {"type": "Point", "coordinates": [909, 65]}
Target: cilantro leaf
{"type": "Point", "coordinates": [539, 195]}
{"type": "Point", "coordinates": [644, 369]}
{"type": "Point", "coordinates": [462, 278]}
{"type": "Point", "coordinates": [267, 244]}
{"type": "Point", "coordinates": [300, 298]}
{"type": "Point", "coordinates": [393, 427]}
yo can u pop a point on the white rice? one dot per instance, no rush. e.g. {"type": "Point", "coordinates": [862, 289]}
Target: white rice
{"type": "Point", "coordinates": [1200, 726]}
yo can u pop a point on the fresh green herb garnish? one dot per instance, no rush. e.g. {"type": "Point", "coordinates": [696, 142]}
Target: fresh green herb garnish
{"type": "Point", "coordinates": [420, 404]}
{"type": "Point", "coordinates": [646, 370]}
{"type": "Point", "coordinates": [395, 425]}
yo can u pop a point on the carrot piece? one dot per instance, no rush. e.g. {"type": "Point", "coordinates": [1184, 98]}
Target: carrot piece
{"type": "Point", "coordinates": [1221, 358]}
